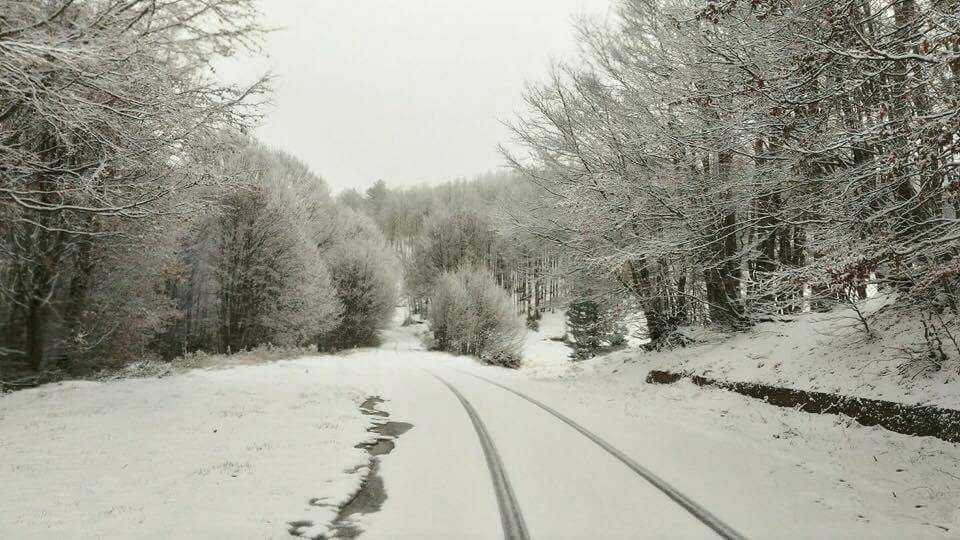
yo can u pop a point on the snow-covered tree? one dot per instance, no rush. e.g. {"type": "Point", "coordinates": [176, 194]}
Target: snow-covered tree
{"type": "Point", "coordinates": [252, 269]}
{"type": "Point", "coordinates": [108, 115]}
{"type": "Point", "coordinates": [471, 314]}
{"type": "Point", "coordinates": [449, 240]}
{"type": "Point", "coordinates": [734, 162]}
{"type": "Point", "coordinates": [365, 274]}
{"type": "Point", "coordinates": [583, 325]}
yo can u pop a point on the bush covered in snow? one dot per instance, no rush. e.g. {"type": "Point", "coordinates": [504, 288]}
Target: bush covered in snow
{"type": "Point", "coordinates": [471, 314]}
{"type": "Point", "coordinates": [366, 284]}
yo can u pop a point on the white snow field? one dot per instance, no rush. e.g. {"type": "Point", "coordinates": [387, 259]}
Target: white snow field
{"type": "Point", "coordinates": [209, 454]}
{"type": "Point", "coordinates": [139, 458]}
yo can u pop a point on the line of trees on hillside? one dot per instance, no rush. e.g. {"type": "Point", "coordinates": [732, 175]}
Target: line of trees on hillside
{"type": "Point", "coordinates": [137, 220]}
{"type": "Point", "coordinates": [467, 268]}
{"type": "Point", "coordinates": [731, 162]}
{"type": "Point", "coordinates": [439, 229]}
{"type": "Point", "coordinates": [276, 261]}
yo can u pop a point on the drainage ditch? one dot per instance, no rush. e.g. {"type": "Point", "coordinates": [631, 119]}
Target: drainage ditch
{"type": "Point", "coordinates": [917, 420]}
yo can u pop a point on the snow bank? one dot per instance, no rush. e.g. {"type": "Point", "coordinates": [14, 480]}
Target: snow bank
{"type": "Point", "coordinates": [824, 352]}
{"type": "Point", "coordinates": [206, 454]}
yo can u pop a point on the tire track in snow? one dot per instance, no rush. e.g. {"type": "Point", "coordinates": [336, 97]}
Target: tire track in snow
{"type": "Point", "coordinates": [697, 511]}
{"type": "Point", "coordinates": [511, 519]}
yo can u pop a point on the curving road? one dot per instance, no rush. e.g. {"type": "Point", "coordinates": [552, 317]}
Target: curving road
{"type": "Point", "coordinates": [485, 460]}
{"type": "Point", "coordinates": [695, 509]}
{"type": "Point", "coordinates": [511, 517]}
{"type": "Point", "coordinates": [500, 453]}
{"type": "Point", "coordinates": [558, 466]}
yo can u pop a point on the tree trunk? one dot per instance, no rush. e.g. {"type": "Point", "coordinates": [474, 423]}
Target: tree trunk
{"type": "Point", "coordinates": [640, 284]}
{"type": "Point", "coordinates": [79, 287]}
{"type": "Point", "coordinates": [36, 326]}
{"type": "Point", "coordinates": [723, 273]}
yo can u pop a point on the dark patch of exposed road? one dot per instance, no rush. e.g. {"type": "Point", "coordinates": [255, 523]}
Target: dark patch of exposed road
{"type": "Point", "coordinates": [369, 407]}
{"type": "Point", "coordinates": [372, 494]}
{"type": "Point", "coordinates": [511, 519]}
{"type": "Point", "coordinates": [699, 512]}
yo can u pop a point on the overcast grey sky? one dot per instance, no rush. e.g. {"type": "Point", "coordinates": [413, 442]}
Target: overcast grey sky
{"type": "Point", "coordinates": [410, 91]}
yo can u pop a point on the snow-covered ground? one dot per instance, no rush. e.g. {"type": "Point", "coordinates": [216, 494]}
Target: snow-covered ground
{"type": "Point", "coordinates": [544, 353]}
{"type": "Point", "coordinates": [241, 451]}
{"type": "Point", "coordinates": [770, 472]}
{"type": "Point", "coordinates": [826, 352]}
{"type": "Point", "coordinates": [219, 453]}
{"type": "Point", "coordinates": [781, 462]}
{"type": "Point", "coordinates": [767, 471]}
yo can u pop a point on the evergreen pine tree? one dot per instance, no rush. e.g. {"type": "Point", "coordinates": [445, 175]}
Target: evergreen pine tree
{"type": "Point", "coordinates": [583, 323]}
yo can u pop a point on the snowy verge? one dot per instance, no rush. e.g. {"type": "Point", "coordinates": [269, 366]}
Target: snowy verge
{"type": "Point", "coordinates": [239, 452]}
{"type": "Point", "coordinates": [823, 352]}
{"type": "Point", "coordinates": [154, 367]}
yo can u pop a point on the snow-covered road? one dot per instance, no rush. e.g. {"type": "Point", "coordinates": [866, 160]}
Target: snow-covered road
{"type": "Point", "coordinates": [558, 471]}
{"type": "Point", "coordinates": [244, 452]}
{"type": "Point", "coordinates": [440, 484]}
{"type": "Point", "coordinates": [739, 480]}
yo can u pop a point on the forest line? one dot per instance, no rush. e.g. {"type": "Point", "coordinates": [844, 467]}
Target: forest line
{"type": "Point", "coordinates": [716, 165]}
{"type": "Point", "coordinates": [139, 220]}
